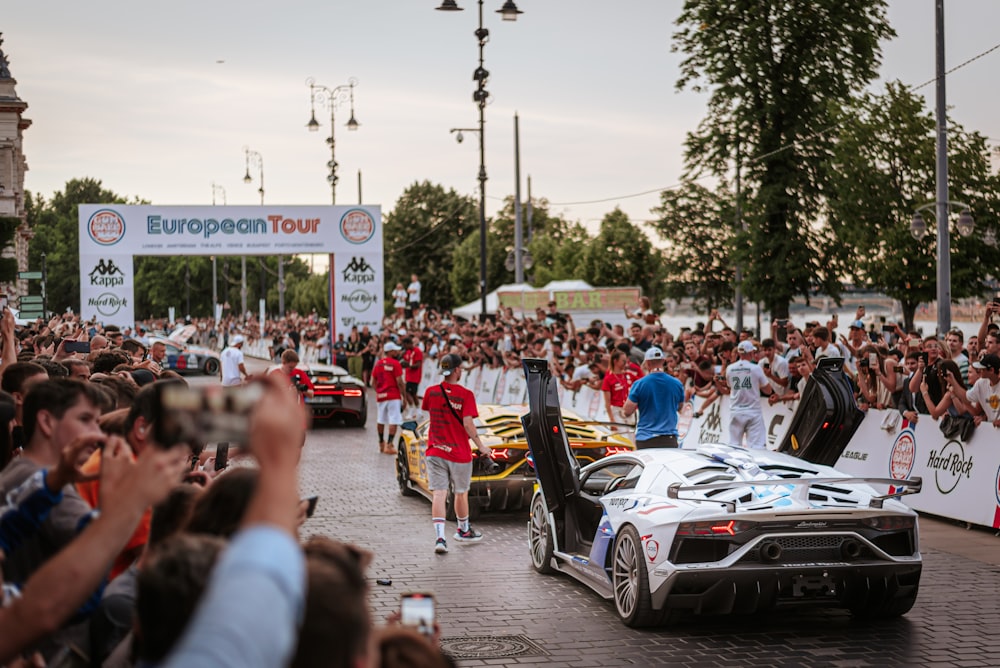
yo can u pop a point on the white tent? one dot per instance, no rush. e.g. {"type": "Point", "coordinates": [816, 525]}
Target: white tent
{"type": "Point", "coordinates": [474, 308]}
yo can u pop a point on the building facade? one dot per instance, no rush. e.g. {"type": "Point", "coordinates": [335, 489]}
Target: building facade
{"type": "Point", "coordinates": [13, 166]}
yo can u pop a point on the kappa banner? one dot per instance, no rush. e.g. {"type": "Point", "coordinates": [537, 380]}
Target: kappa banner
{"type": "Point", "coordinates": [357, 287]}
{"type": "Point", "coordinates": [112, 234]}
{"type": "Point", "coordinates": [106, 288]}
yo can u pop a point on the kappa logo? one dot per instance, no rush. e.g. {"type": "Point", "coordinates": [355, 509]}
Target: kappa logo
{"type": "Point", "coordinates": [711, 426]}
{"type": "Point", "coordinates": [106, 274]}
{"type": "Point", "coordinates": [359, 272]}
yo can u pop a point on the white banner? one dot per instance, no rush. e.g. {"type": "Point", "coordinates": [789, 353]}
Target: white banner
{"type": "Point", "coordinates": [116, 233]}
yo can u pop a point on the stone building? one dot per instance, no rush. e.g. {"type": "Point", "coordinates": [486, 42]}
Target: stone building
{"type": "Point", "coordinates": [12, 169]}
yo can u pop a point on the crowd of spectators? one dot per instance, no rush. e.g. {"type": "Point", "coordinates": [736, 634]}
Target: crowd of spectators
{"type": "Point", "coordinates": [117, 550]}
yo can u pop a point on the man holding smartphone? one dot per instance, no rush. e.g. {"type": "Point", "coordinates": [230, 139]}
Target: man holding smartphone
{"type": "Point", "coordinates": [452, 410]}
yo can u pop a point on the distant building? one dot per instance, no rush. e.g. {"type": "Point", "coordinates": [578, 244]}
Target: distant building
{"type": "Point", "coordinates": [12, 169]}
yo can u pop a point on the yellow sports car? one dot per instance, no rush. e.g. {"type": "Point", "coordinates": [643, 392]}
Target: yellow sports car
{"type": "Point", "coordinates": [507, 480]}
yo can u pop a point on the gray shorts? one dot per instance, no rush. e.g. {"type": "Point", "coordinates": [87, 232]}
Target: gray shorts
{"type": "Point", "coordinates": [440, 471]}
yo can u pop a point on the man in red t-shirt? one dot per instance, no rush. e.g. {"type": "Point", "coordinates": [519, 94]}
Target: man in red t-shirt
{"type": "Point", "coordinates": [387, 375]}
{"type": "Point", "coordinates": [413, 364]}
{"type": "Point", "coordinates": [297, 378]}
{"type": "Point", "coordinates": [452, 411]}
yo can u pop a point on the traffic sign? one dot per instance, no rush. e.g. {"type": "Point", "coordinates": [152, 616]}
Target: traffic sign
{"type": "Point", "coordinates": [30, 275]}
{"type": "Point", "coordinates": [30, 299]}
{"type": "Point", "coordinates": [25, 314]}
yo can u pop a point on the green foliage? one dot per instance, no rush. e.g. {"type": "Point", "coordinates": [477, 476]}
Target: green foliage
{"type": "Point", "coordinates": [465, 267]}
{"type": "Point", "coordinates": [622, 255]}
{"type": "Point", "coordinates": [770, 68]}
{"type": "Point", "coordinates": [57, 228]}
{"type": "Point", "coordinates": [882, 171]}
{"type": "Point", "coordinates": [699, 228]}
{"type": "Point", "coordinates": [307, 293]}
{"type": "Point", "coordinates": [421, 233]}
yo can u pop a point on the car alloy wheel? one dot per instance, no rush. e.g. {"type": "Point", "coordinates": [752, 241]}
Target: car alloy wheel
{"type": "Point", "coordinates": [403, 473]}
{"type": "Point", "coordinates": [630, 581]}
{"type": "Point", "coordinates": [540, 536]}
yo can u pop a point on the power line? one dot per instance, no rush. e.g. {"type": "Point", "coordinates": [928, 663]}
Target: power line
{"type": "Point", "coordinates": [794, 144]}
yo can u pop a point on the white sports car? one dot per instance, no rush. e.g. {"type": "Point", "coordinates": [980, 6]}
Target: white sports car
{"type": "Point", "coordinates": [717, 529]}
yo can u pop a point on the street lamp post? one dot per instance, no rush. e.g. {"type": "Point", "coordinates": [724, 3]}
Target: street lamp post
{"type": "Point", "coordinates": [509, 12]}
{"type": "Point", "coordinates": [255, 158]}
{"type": "Point", "coordinates": [215, 292]}
{"type": "Point", "coordinates": [965, 227]}
{"type": "Point", "coordinates": [331, 98]}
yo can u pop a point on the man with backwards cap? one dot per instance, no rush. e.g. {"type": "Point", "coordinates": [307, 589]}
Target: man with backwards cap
{"type": "Point", "coordinates": [452, 410]}
{"type": "Point", "coordinates": [746, 382]}
{"type": "Point", "coordinates": [233, 370]}
{"type": "Point", "coordinates": [656, 396]}
{"type": "Point", "coordinates": [387, 376]}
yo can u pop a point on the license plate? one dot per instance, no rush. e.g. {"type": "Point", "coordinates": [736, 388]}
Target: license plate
{"type": "Point", "coordinates": [321, 400]}
{"type": "Point", "coordinates": [813, 586]}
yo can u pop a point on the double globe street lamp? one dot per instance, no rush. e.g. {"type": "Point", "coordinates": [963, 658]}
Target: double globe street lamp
{"type": "Point", "coordinates": [480, 96]}
{"type": "Point", "coordinates": [331, 98]}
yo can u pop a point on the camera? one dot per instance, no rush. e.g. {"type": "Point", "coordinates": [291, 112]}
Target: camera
{"type": "Point", "coordinates": [864, 363]}
{"type": "Point", "coordinates": [781, 323]}
{"type": "Point", "coordinates": [202, 415]}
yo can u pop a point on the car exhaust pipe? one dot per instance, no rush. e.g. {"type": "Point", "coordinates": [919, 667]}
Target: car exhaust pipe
{"type": "Point", "coordinates": [770, 551]}
{"type": "Point", "coordinates": [850, 549]}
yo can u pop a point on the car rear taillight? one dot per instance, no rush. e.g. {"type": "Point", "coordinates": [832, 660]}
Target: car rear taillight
{"type": "Point", "coordinates": [889, 522]}
{"type": "Point", "coordinates": [714, 528]}
{"type": "Point", "coordinates": [616, 449]}
{"type": "Point", "coordinates": [500, 454]}
{"type": "Point", "coordinates": [352, 393]}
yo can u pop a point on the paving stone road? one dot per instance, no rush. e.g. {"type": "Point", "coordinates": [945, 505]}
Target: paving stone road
{"type": "Point", "coordinates": [494, 610]}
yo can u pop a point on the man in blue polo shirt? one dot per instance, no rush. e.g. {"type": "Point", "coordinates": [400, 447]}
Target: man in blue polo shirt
{"type": "Point", "coordinates": [656, 396]}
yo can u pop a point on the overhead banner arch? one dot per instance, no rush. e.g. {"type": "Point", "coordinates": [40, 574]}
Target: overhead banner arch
{"type": "Point", "coordinates": [111, 235]}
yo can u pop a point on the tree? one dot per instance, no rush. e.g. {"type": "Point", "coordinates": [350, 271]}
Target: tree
{"type": "Point", "coordinates": [57, 234]}
{"type": "Point", "coordinates": [465, 269]}
{"type": "Point", "coordinates": [556, 246]}
{"type": "Point", "coordinates": [698, 226]}
{"type": "Point", "coordinates": [771, 68]}
{"type": "Point", "coordinates": [882, 170]}
{"type": "Point", "coordinates": [308, 293]}
{"type": "Point", "coordinates": [622, 255]}
{"type": "Point", "coordinates": [420, 235]}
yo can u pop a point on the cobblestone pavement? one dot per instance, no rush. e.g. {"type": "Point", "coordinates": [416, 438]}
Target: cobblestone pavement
{"type": "Point", "coordinates": [489, 592]}
{"type": "Point", "coordinates": [489, 589]}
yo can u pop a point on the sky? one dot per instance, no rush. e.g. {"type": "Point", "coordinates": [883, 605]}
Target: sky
{"type": "Point", "coordinates": [158, 100]}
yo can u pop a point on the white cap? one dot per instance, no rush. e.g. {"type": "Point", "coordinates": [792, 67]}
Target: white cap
{"type": "Point", "coordinates": [746, 347]}
{"type": "Point", "coordinates": [236, 340]}
{"type": "Point", "coordinates": [653, 353]}
{"type": "Point", "coordinates": [390, 347]}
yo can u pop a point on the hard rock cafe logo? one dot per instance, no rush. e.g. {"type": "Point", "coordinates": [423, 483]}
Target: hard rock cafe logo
{"type": "Point", "coordinates": [357, 226]}
{"type": "Point", "coordinates": [902, 455]}
{"type": "Point", "coordinates": [359, 300]}
{"type": "Point", "coordinates": [107, 304]}
{"type": "Point", "coordinates": [359, 272]}
{"type": "Point", "coordinates": [106, 274]}
{"type": "Point", "coordinates": [997, 486]}
{"type": "Point", "coordinates": [950, 465]}
{"type": "Point", "coordinates": [106, 227]}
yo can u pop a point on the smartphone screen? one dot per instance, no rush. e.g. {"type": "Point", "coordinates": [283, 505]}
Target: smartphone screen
{"type": "Point", "coordinates": [208, 414]}
{"type": "Point", "coordinates": [77, 347]}
{"type": "Point", "coordinates": [872, 359]}
{"type": "Point", "coordinates": [417, 611]}
{"type": "Point", "coordinates": [221, 456]}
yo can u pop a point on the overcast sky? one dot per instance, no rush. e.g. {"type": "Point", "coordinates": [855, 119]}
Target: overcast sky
{"type": "Point", "coordinates": [157, 100]}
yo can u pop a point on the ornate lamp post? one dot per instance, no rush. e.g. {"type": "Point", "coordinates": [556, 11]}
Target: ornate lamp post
{"type": "Point", "coordinates": [480, 96]}
{"type": "Point", "coordinates": [254, 158]}
{"type": "Point", "coordinates": [331, 98]}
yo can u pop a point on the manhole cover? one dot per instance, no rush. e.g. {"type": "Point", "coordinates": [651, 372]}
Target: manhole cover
{"type": "Point", "coordinates": [490, 647]}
